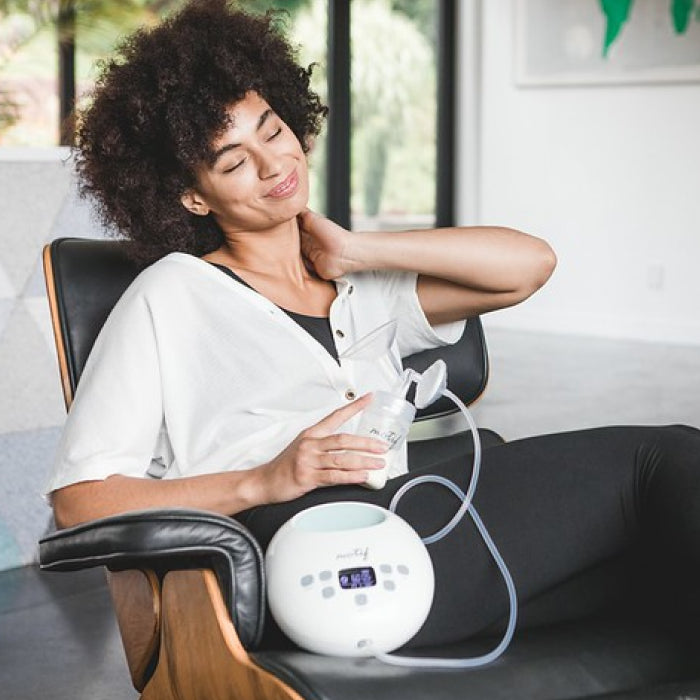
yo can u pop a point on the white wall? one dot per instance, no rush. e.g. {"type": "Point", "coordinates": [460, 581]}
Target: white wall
{"type": "Point", "coordinates": [39, 203]}
{"type": "Point", "coordinates": [610, 176]}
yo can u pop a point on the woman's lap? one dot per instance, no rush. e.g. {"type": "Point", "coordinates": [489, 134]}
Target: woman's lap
{"type": "Point", "coordinates": [555, 505]}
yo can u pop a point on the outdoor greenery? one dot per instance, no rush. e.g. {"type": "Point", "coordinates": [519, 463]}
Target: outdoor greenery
{"type": "Point", "coordinates": [393, 102]}
{"type": "Point", "coordinates": [393, 82]}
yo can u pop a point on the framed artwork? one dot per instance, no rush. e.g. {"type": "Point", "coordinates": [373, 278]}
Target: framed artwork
{"type": "Point", "coordinates": [563, 42]}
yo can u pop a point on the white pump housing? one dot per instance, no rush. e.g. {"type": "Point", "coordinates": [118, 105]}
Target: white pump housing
{"type": "Point", "coordinates": [348, 579]}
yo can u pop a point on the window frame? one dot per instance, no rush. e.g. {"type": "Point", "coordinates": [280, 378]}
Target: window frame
{"type": "Point", "coordinates": [338, 167]}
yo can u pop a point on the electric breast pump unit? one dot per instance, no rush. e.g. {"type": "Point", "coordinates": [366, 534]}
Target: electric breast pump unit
{"type": "Point", "coordinates": [348, 579]}
{"type": "Point", "coordinates": [355, 579]}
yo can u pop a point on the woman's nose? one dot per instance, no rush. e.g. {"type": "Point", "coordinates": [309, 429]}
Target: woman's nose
{"type": "Point", "coordinates": [269, 164]}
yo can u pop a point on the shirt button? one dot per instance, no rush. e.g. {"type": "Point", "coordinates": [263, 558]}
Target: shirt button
{"type": "Point", "coordinates": [350, 395]}
{"type": "Point", "coordinates": [340, 333]}
{"type": "Point", "coordinates": [351, 289]}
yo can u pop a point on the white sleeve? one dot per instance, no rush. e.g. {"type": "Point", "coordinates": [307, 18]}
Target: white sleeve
{"type": "Point", "coordinates": [116, 417]}
{"type": "Point", "coordinates": [414, 330]}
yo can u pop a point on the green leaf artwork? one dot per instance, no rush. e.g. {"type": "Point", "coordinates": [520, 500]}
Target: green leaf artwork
{"type": "Point", "coordinates": [681, 11]}
{"type": "Point", "coordinates": [617, 12]}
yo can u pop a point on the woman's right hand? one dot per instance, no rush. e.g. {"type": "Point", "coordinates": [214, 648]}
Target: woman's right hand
{"type": "Point", "coordinates": [319, 456]}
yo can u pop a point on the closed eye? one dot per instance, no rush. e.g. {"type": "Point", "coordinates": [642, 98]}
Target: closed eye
{"type": "Point", "coordinates": [235, 167]}
{"type": "Point", "coordinates": [276, 134]}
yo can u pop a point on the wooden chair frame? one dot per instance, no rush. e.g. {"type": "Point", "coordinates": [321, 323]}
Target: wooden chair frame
{"type": "Point", "coordinates": [164, 620]}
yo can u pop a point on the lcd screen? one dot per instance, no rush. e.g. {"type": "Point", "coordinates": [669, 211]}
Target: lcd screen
{"type": "Point", "coordinates": [360, 577]}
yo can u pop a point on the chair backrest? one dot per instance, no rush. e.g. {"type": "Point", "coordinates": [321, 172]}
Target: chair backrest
{"type": "Point", "coordinates": [84, 280]}
{"type": "Point", "coordinates": [86, 277]}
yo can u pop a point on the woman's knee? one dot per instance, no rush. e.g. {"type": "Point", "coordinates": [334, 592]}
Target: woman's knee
{"type": "Point", "coordinates": [676, 442]}
{"type": "Point", "coordinates": [670, 468]}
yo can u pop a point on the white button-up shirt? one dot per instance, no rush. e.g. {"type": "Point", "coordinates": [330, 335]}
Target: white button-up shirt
{"type": "Point", "coordinates": [195, 373]}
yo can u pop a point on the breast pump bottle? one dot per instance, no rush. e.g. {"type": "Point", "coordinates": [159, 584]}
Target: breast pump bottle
{"type": "Point", "coordinates": [389, 415]}
{"type": "Point", "coordinates": [387, 418]}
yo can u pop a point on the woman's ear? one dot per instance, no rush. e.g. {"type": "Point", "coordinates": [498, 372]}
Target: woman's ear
{"type": "Point", "coordinates": [194, 203]}
{"type": "Point", "coordinates": [309, 143]}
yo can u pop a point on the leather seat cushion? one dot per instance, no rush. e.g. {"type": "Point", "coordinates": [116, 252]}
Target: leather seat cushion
{"type": "Point", "coordinates": [582, 659]}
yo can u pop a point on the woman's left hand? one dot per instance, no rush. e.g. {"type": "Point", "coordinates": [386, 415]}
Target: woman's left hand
{"type": "Point", "coordinates": [325, 245]}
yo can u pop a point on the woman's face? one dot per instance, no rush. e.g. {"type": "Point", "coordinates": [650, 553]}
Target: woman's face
{"type": "Point", "coordinates": [258, 177]}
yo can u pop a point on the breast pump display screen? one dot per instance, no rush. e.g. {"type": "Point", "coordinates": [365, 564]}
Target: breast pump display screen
{"type": "Point", "coordinates": [361, 577]}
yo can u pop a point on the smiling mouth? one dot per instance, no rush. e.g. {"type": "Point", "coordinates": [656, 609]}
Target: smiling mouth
{"type": "Point", "coordinates": [286, 188]}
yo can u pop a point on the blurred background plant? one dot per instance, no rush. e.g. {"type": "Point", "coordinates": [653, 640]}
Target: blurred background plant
{"type": "Point", "coordinates": [46, 44]}
{"type": "Point", "coordinates": [32, 35]}
{"type": "Point", "coordinates": [35, 35]}
{"type": "Point", "coordinates": [393, 98]}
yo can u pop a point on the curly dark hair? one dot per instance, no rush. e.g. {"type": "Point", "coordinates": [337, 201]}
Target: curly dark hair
{"type": "Point", "coordinates": [159, 104]}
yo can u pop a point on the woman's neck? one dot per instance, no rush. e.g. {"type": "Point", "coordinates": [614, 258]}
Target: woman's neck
{"type": "Point", "coordinates": [274, 253]}
{"type": "Point", "coordinates": [271, 263]}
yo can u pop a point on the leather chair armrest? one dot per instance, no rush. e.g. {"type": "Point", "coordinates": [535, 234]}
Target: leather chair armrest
{"type": "Point", "coordinates": [164, 540]}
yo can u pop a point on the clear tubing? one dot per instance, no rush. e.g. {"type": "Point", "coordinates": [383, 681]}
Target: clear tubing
{"type": "Point", "coordinates": [476, 466]}
{"type": "Point", "coordinates": [466, 506]}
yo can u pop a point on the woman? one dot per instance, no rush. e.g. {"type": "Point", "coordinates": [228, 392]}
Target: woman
{"type": "Point", "coordinates": [218, 381]}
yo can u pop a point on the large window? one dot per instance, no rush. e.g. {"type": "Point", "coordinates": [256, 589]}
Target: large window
{"type": "Point", "coordinates": [393, 113]}
{"type": "Point", "coordinates": [383, 66]}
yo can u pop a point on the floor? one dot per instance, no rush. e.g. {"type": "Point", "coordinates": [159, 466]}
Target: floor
{"type": "Point", "coordinates": [542, 383]}
{"type": "Point", "coordinates": [58, 637]}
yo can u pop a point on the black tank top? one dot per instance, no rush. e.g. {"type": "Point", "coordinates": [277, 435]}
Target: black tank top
{"type": "Point", "coordinates": [318, 327]}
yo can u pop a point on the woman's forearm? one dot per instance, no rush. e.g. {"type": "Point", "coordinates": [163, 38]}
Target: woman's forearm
{"type": "Point", "coordinates": [462, 272]}
{"type": "Point", "coordinates": [225, 493]}
{"type": "Point", "coordinates": [489, 259]}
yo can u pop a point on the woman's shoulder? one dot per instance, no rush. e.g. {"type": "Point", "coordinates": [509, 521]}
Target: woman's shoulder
{"type": "Point", "coordinates": [162, 285]}
{"type": "Point", "coordinates": [160, 276]}
{"type": "Point", "coordinates": [162, 288]}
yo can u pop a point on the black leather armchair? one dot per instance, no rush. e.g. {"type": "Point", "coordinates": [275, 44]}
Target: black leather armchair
{"type": "Point", "coordinates": [189, 586]}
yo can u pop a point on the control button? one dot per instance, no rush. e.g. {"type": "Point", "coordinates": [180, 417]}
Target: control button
{"type": "Point", "coordinates": [385, 568]}
{"type": "Point", "coordinates": [325, 575]}
{"type": "Point", "coordinates": [350, 395]}
{"type": "Point", "coordinates": [361, 599]}
{"type": "Point", "coordinates": [327, 592]}
{"type": "Point", "coordinates": [389, 585]}
{"type": "Point", "coordinates": [340, 333]}
{"type": "Point", "coordinates": [307, 580]}
{"type": "Point", "coordinates": [402, 569]}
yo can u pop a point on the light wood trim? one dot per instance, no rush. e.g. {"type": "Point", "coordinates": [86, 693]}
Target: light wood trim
{"type": "Point", "coordinates": [56, 324]}
{"type": "Point", "coordinates": [136, 599]}
{"type": "Point", "coordinates": [201, 656]}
